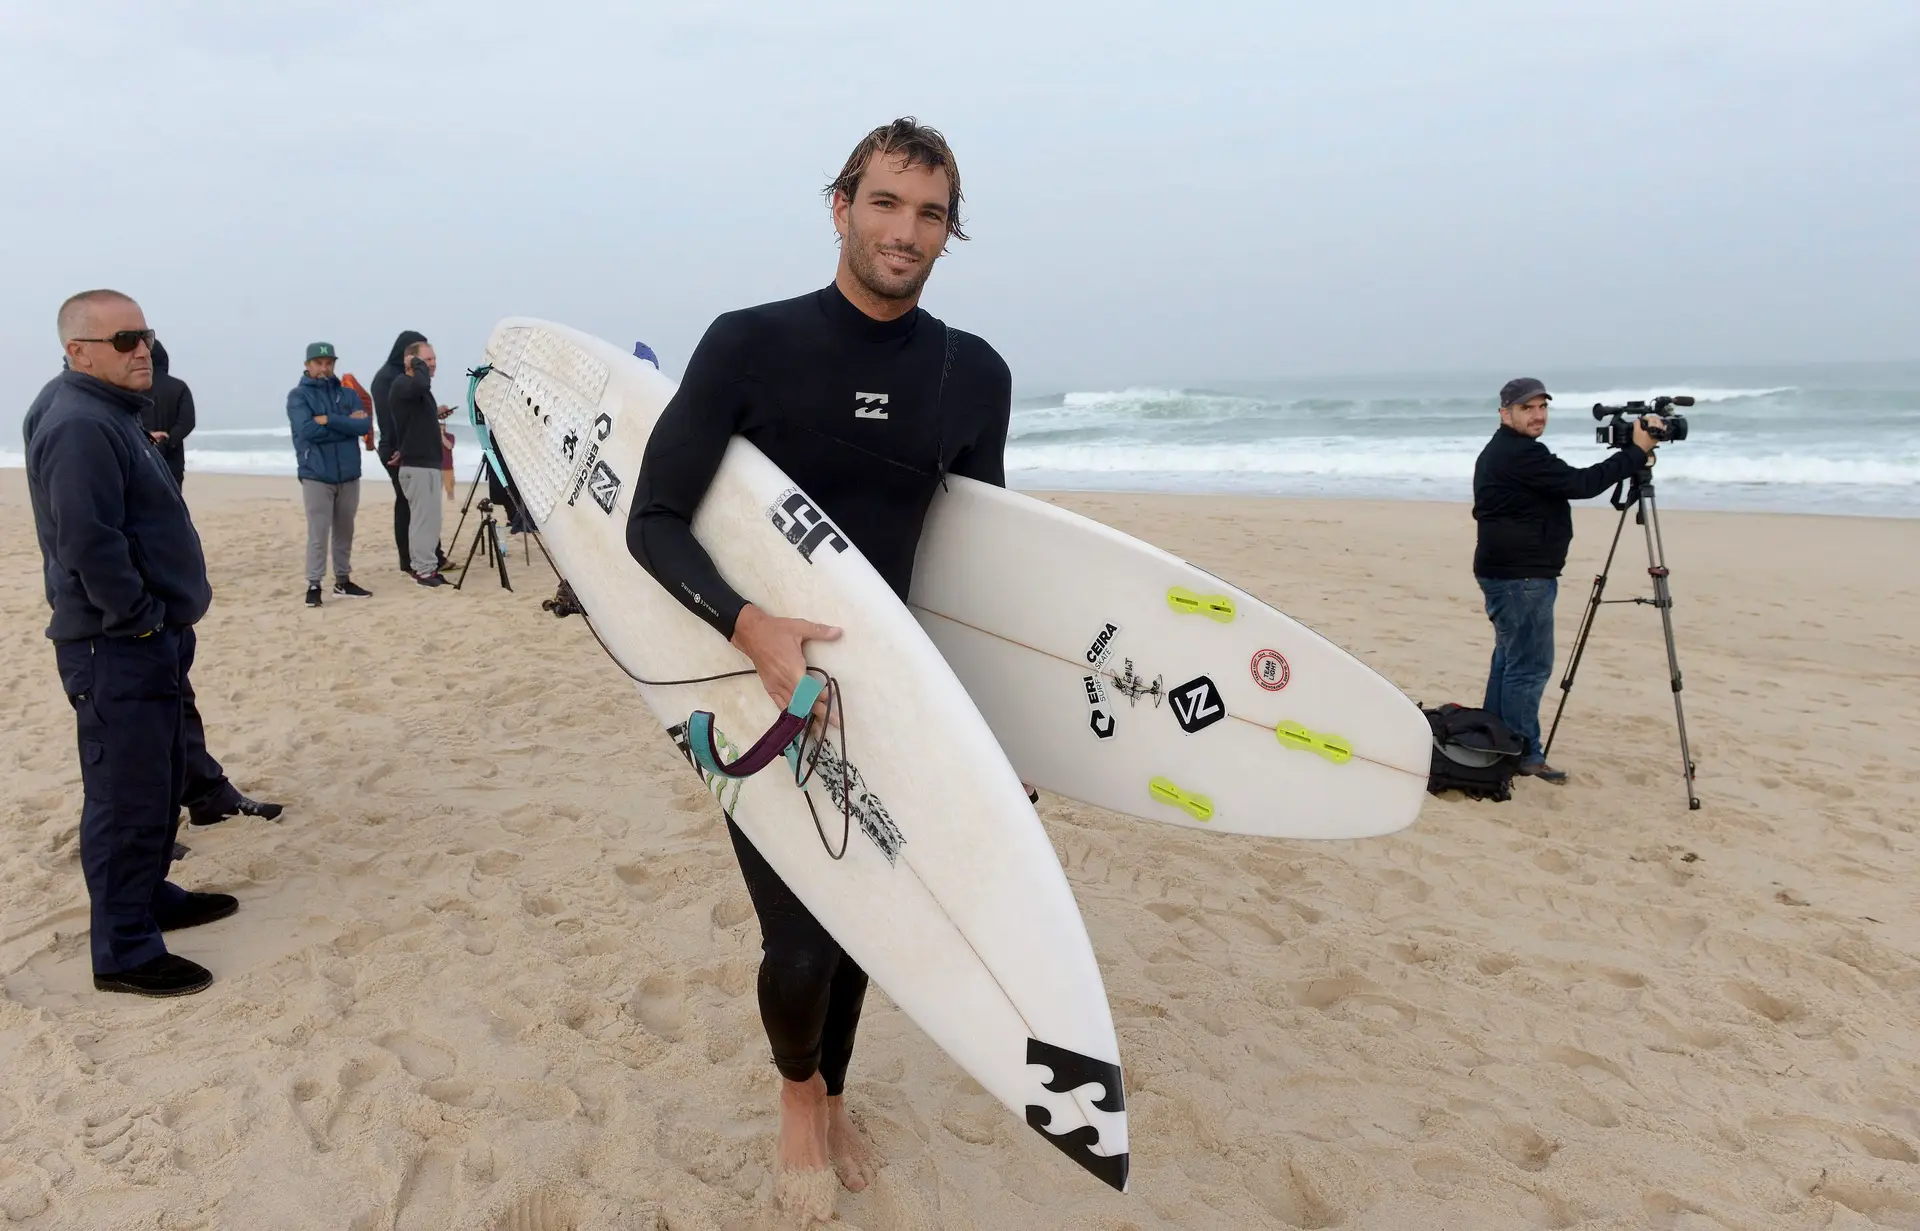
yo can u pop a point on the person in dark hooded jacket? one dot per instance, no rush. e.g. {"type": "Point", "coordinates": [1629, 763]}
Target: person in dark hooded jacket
{"type": "Point", "coordinates": [381, 387]}
{"type": "Point", "coordinates": [170, 419]}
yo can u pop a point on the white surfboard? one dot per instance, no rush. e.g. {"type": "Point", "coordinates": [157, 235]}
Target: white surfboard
{"type": "Point", "coordinates": [1120, 675]}
{"type": "Point", "coordinates": [948, 893]}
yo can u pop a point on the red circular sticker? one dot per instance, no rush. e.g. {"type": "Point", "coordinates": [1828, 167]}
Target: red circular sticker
{"type": "Point", "coordinates": [1270, 670]}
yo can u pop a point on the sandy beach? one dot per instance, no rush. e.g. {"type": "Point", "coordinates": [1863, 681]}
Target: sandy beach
{"type": "Point", "coordinates": [495, 967]}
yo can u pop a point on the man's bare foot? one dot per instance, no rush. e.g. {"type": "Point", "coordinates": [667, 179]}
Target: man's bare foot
{"type": "Point", "coordinates": [848, 1148]}
{"type": "Point", "coordinates": [803, 1183]}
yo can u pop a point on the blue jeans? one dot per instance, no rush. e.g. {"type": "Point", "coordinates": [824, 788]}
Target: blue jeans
{"type": "Point", "coordinates": [1521, 609]}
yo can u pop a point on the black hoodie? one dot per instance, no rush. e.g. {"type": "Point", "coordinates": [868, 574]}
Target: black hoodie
{"type": "Point", "coordinates": [382, 384]}
{"type": "Point", "coordinates": [171, 412]}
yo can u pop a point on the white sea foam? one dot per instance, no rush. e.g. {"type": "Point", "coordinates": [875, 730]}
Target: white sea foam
{"type": "Point", "coordinates": [1449, 459]}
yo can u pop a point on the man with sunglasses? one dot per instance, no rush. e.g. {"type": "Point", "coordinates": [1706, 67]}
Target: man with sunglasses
{"type": "Point", "coordinates": [127, 581]}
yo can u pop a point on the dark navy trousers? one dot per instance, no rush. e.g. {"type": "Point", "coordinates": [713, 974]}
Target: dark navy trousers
{"type": "Point", "coordinates": [207, 785]}
{"type": "Point", "coordinates": [1521, 609]}
{"type": "Point", "coordinates": [128, 697]}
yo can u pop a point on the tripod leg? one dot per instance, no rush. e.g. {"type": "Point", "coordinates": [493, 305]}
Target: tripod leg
{"type": "Point", "coordinates": [468, 505]}
{"type": "Point", "coordinates": [1663, 599]}
{"type": "Point", "coordinates": [467, 567]}
{"type": "Point", "coordinates": [499, 553]}
{"type": "Point", "coordinates": [1586, 629]}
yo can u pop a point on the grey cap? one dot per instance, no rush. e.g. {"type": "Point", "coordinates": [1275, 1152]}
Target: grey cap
{"type": "Point", "coordinates": [1520, 388]}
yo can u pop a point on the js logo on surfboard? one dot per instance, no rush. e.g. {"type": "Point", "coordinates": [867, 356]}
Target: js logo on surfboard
{"type": "Point", "coordinates": [805, 526]}
{"type": "Point", "coordinates": [1197, 705]}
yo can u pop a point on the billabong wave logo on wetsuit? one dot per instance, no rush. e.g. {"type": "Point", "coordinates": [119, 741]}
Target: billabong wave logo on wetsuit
{"type": "Point", "coordinates": [1070, 1071]}
{"type": "Point", "coordinates": [870, 406]}
{"type": "Point", "coordinates": [843, 782]}
{"type": "Point", "coordinates": [805, 526]}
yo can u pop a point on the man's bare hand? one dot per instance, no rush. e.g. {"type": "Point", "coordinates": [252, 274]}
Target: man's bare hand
{"type": "Point", "coordinates": [775, 645]}
{"type": "Point", "coordinates": [157, 436]}
{"type": "Point", "coordinates": [320, 419]}
{"type": "Point", "coordinates": [1644, 438]}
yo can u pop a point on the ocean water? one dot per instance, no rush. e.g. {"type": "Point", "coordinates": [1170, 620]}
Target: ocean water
{"type": "Point", "coordinates": [1831, 439]}
{"type": "Point", "coordinates": [1819, 439]}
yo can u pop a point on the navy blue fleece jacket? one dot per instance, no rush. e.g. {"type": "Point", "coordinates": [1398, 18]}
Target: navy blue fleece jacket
{"type": "Point", "coordinates": [122, 557]}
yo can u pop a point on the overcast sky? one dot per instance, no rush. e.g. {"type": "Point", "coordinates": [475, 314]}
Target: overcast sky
{"type": "Point", "coordinates": [1158, 193]}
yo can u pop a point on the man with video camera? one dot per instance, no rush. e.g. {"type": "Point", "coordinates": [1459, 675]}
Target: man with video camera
{"type": "Point", "coordinates": [1520, 501]}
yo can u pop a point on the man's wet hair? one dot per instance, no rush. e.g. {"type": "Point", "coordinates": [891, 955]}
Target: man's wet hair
{"type": "Point", "coordinates": [72, 320]}
{"type": "Point", "coordinates": [920, 146]}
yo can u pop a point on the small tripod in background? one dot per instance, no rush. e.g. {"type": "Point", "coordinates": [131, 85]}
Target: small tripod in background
{"type": "Point", "coordinates": [488, 532]}
{"type": "Point", "coordinates": [1638, 497]}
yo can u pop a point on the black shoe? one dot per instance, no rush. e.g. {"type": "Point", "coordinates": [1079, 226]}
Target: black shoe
{"type": "Point", "coordinates": [166, 975]}
{"type": "Point", "coordinates": [199, 908]}
{"type": "Point", "coordinates": [430, 579]}
{"type": "Point", "coordinates": [343, 587]}
{"type": "Point", "coordinates": [1543, 771]}
{"type": "Point", "coordinates": [233, 804]}
{"type": "Point", "coordinates": [313, 595]}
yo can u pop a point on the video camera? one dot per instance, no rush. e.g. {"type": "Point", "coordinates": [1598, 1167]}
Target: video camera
{"type": "Point", "coordinates": [1617, 433]}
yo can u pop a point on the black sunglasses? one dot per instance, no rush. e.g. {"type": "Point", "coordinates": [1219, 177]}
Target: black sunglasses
{"type": "Point", "coordinates": [126, 340]}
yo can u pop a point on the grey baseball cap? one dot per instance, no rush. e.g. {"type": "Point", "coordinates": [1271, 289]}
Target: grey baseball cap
{"type": "Point", "coordinates": [1520, 388]}
{"type": "Point", "coordinates": [319, 350]}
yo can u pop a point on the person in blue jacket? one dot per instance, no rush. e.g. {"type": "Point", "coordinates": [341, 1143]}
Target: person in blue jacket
{"type": "Point", "coordinates": [127, 581]}
{"type": "Point", "coordinates": [328, 421]}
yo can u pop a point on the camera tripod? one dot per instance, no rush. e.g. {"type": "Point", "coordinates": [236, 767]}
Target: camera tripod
{"type": "Point", "coordinates": [487, 534]}
{"type": "Point", "coordinates": [1638, 498]}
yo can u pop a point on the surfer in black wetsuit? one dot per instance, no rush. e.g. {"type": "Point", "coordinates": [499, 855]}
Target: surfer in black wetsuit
{"type": "Point", "coordinates": [865, 401]}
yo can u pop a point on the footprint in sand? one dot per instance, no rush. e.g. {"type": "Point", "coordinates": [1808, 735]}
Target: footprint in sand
{"type": "Point", "coordinates": [426, 1059]}
{"type": "Point", "coordinates": [660, 1004]}
{"type": "Point", "coordinates": [427, 1191]}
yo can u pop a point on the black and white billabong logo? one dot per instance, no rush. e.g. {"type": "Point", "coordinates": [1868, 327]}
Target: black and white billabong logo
{"type": "Point", "coordinates": [1196, 705]}
{"type": "Point", "coordinates": [605, 486]}
{"type": "Point", "coordinates": [869, 405]}
{"type": "Point", "coordinates": [1070, 1071]}
{"type": "Point", "coordinates": [805, 526]}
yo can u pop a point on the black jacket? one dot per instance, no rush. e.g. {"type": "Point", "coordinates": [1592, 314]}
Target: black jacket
{"type": "Point", "coordinates": [121, 554]}
{"type": "Point", "coordinates": [1520, 495]}
{"type": "Point", "coordinates": [171, 412]}
{"type": "Point", "coordinates": [382, 383]}
{"type": "Point", "coordinates": [416, 420]}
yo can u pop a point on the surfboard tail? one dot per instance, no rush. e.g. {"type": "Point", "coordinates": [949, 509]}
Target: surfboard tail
{"type": "Point", "coordinates": [1072, 1071]}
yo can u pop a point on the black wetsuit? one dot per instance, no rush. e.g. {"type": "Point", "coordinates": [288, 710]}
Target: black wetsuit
{"type": "Point", "coordinates": [866, 416]}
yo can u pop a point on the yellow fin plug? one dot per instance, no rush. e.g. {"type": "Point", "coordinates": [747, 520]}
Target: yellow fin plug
{"type": "Point", "coordinates": [1216, 607]}
{"type": "Point", "coordinates": [1199, 807]}
{"type": "Point", "coordinates": [1335, 748]}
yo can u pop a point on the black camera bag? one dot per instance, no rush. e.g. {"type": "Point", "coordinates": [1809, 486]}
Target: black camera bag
{"type": "Point", "coordinates": [1474, 752]}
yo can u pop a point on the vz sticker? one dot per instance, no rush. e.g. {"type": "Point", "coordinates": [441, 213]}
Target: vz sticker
{"type": "Point", "coordinates": [605, 486]}
{"type": "Point", "coordinates": [1197, 705]}
{"type": "Point", "coordinates": [1070, 1071]}
{"type": "Point", "coordinates": [805, 526]}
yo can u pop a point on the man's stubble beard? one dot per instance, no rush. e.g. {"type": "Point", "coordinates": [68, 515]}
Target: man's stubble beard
{"type": "Point", "coordinates": [864, 261]}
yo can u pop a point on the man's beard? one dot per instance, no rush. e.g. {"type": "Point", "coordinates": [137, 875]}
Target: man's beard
{"type": "Point", "coordinates": [864, 261]}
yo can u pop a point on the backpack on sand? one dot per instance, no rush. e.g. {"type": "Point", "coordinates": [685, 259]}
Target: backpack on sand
{"type": "Point", "coordinates": [1474, 752]}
